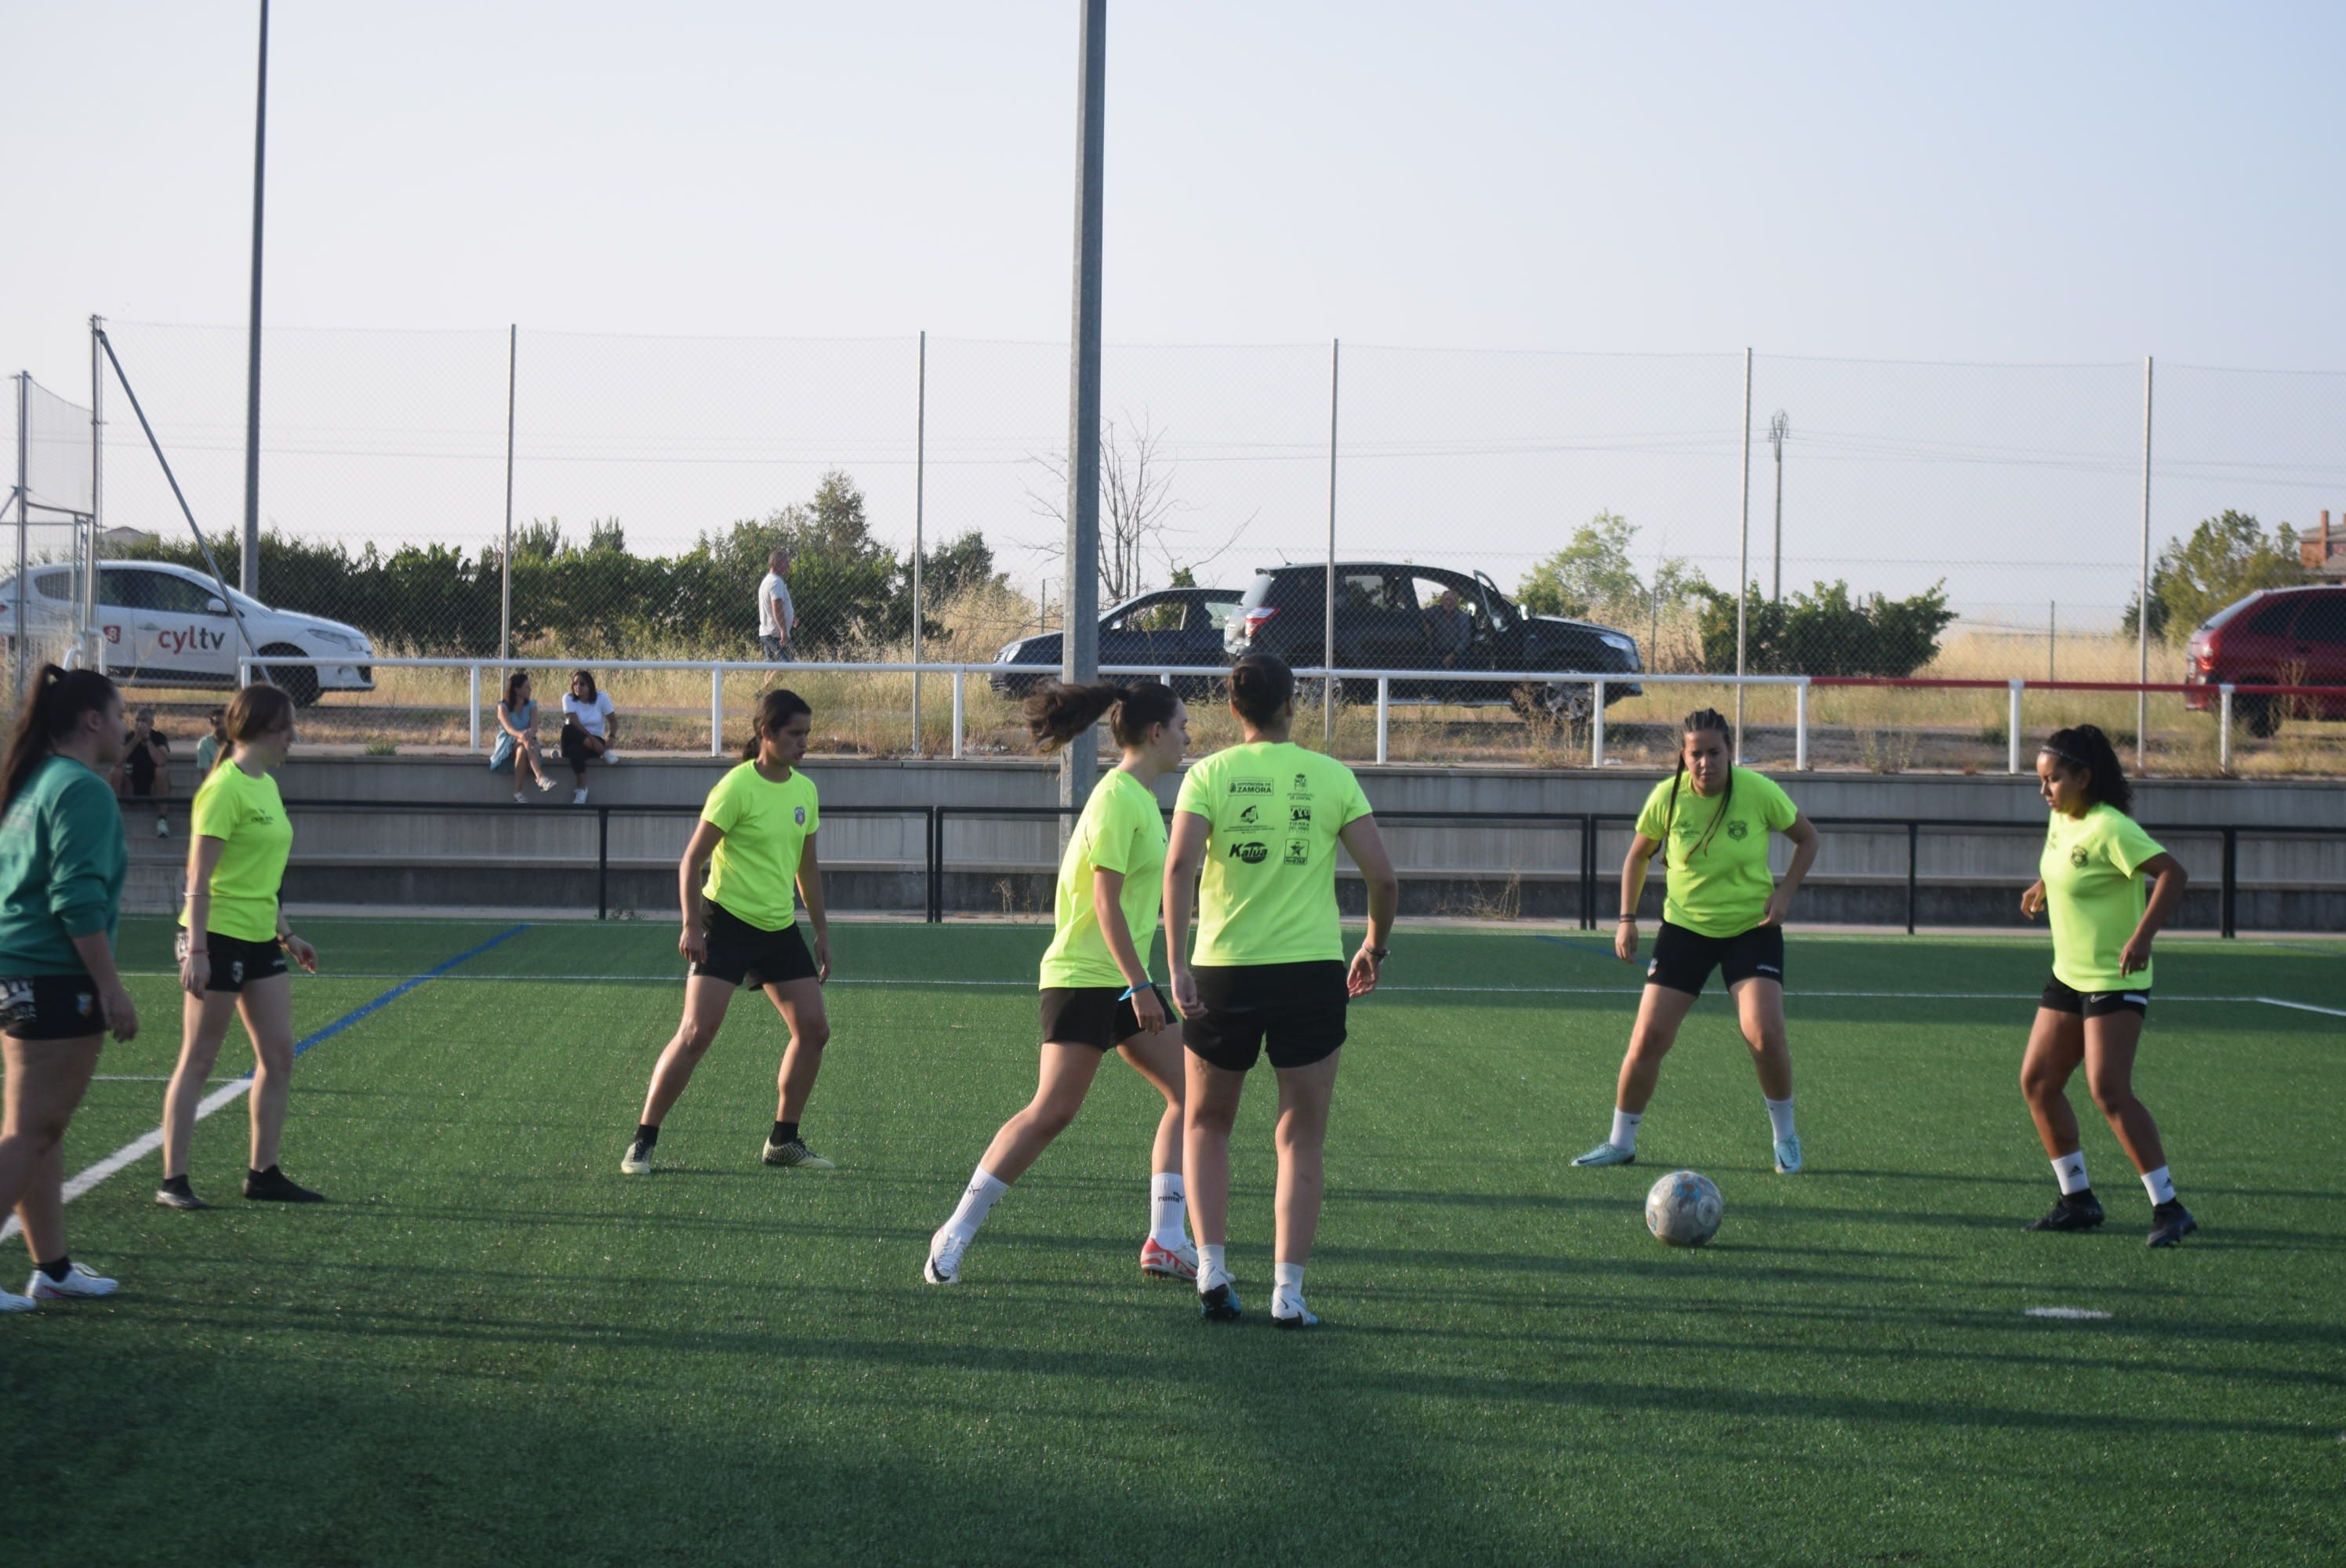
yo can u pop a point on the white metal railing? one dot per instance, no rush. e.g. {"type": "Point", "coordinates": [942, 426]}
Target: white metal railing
{"type": "Point", "coordinates": [717, 669]}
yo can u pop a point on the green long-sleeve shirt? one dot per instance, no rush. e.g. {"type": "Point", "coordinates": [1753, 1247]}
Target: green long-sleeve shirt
{"type": "Point", "coordinates": [62, 863]}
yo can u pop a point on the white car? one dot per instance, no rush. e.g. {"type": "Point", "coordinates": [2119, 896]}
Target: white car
{"type": "Point", "coordinates": [161, 624]}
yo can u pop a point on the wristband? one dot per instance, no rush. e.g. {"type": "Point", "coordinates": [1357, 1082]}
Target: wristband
{"type": "Point", "coordinates": [1132, 990]}
{"type": "Point", "coordinates": [1379, 953]}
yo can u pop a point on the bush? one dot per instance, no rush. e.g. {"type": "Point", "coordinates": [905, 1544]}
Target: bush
{"type": "Point", "coordinates": [1827, 632]}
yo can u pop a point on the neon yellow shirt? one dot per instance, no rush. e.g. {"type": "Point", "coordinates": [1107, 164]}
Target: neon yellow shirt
{"type": "Point", "coordinates": [247, 815]}
{"type": "Point", "coordinates": [2094, 895]}
{"type": "Point", "coordinates": [755, 872]}
{"type": "Point", "coordinates": [1720, 889]}
{"type": "Point", "coordinates": [1268, 892]}
{"type": "Point", "coordinates": [1119, 830]}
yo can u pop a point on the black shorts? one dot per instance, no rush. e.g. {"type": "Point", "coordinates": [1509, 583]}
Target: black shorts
{"type": "Point", "coordinates": [142, 768]}
{"type": "Point", "coordinates": [740, 953]}
{"type": "Point", "coordinates": [1684, 958]}
{"type": "Point", "coordinates": [1296, 1010]}
{"type": "Point", "coordinates": [1088, 1016]}
{"type": "Point", "coordinates": [574, 746]}
{"type": "Point", "coordinates": [2060, 998]}
{"type": "Point", "coordinates": [236, 962]}
{"type": "Point", "coordinates": [50, 1007]}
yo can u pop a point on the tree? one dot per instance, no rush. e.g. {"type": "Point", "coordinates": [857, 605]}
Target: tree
{"type": "Point", "coordinates": [2227, 557]}
{"type": "Point", "coordinates": [1594, 569]}
{"type": "Point", "coordinates": [1136, 505]}
{"type": "Point", "coordinates": [1827, 631]}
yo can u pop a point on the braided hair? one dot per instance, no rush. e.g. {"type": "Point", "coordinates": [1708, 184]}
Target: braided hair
{"type": "Point", "coordinates": [1695, 723]}
{"type": "Point", "coordinates": [2084, 748]}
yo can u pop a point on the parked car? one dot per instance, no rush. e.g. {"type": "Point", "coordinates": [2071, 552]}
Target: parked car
{"type": "Point", "coordinates": [168, 626]}
{"type": "Point", "coordinates": [1170, 627]}
{"type": "Point", "coordinates": [2275, 637]}
{"type": "Point", "coordinates": [1391, 616]}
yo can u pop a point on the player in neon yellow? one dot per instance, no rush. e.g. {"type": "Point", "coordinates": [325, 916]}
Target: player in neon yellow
{"type": "Point", "coordinates": [1096, 995]}
{"type": "Point", "coordinates": [756, 837]}
{"type": "Point", "coordinates": [1723, 911]}
{"type": "Point", "coordinates": [2091, 879]}
{"type": "Point", "coordinates": [233, 944]}
{"type": "Point", "coordinates": [1263, 820]}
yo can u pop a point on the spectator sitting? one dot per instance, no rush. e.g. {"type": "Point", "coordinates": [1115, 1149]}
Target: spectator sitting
{"type": "Point", "coordinates": [146, 768]}
{"type": "Point", "coordinates": [207, 750]}
{"type": "Point", "coordinates": [516, 749]}
{"type": "Point", "coordinates": [587, 730]}
{"type": "Point", "coordinates": [777, 617]}
{"type": "Point", "coordinates": [1449, 629]}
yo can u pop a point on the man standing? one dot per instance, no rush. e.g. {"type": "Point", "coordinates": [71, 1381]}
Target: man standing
{"type": "Point", "coordinates": [1448, 630]}
{"type": "Point", "coordinates": [776, 619]}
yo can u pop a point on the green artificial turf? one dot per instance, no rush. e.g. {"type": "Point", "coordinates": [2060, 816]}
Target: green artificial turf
{"type": "Point", "coordinates": [491, 1347]}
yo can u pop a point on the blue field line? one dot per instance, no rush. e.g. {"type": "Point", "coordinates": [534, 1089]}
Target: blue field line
{"type": "Point", "coordinates": [1588, 947]}
{"type": "Point", "coordinates": [357, 1014]}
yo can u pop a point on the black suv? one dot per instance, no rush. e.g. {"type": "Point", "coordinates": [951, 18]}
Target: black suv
{"type": "Point", "coordinates": [1396, 617]}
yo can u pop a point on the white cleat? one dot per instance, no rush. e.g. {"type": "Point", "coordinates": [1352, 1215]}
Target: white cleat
{"type": "Point", "coordinates": [13, 1303]}
{"type": "Point", "coordinates": [946, 1249]}
{"type": "Point", "coordinates": [1301, 1317]}
{"type": "Point", "coordinates": [637, 1160]}
{"type": "Point", "coordinates": [80, 1284]}
{"type": "Point", "coordinates": [1788, 1155]}
{"type": "Point", "coordinates": [1161, 1262]}
{"type": "Point", "coordinates": [1608, 1154]}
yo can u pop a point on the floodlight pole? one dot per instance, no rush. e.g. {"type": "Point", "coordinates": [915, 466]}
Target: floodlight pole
{"type": "Point", "coordinates": [248, 568]}
{"type": "Point", "coordinates": [1328, 637]}
{"type": "Point", "coordinates": [93, 646]}
{"type": "Point", "coordinates": [1080, 643]}
{"type": "Point", "coordinates": [504, 561]}
{"type": "Point", "coordinates": [24, 510]}
{"type": "Point", "coordinates": [2142, 601]}
{"type": "Point", "coordinates": [920, 498]}
{"type": "Point", "coordinates": [1743, 564]}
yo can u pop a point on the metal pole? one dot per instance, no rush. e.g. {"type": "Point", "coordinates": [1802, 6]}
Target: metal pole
{"type": "Point", "coordinates": [2052, 638]}
{"type": "Point", "coordinates": [1079, 645]}
{"type": "Point", "coordinates": [248, 569]}
{"type": "Point", "coordinates": [1778, 427]}
{"type": "Point", "coordinates": [505, 567]}
{"type": "Point", "coordinates": [1596, 725]}
{"type": "Point", "coordinates": [716, 710]}
{"type": "Point", "coordinates": [93, 646]}
{"type": "Point", "coordinates": [1743, 564]}
{"type": "Point", "coordinates": [2012, 730]}
{"type": "Point", "coordinates": [957, 711]}
{"type": "Point", "coordinates": [919, 496]}
{"type": "Point", "coordinates": [1800, 726]}
{"type": "Point", "coordinates": [1328, 635]}
{"type": "Point", "coordinates": [473, 704]}
{"type": "Point", "coordinates": [24, 516]}
{"type": "Point", "coordinates": [1384, 718]}
{"type": "Point", "coordinates": [2224, 730]}
{"type": "Point", "coordinates": [2142, 604]}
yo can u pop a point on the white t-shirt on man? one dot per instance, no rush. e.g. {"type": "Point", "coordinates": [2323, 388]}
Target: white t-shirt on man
{"type": "Point", "coordinates": [591, 715]}
{"type": "Point", "coordinates": [770, 590]}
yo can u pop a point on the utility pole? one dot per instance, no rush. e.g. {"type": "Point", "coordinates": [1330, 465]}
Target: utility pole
{"type": "Point", "coordinates": [1779, 426]}
{"type": "Point", "coordinates": [248, 568]}
{"type": "Point", "coordinates": [1079, 643]}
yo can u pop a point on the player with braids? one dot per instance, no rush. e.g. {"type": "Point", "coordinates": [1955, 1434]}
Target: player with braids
{"type": "Point", "coordinates": [2091, 876]}
{"type": "Point", "coordinates": [1723, 911]}
{"type": "Point", "coordinates": [62, 864]}
{"type": "Point", "coordinates": [1096, 993]}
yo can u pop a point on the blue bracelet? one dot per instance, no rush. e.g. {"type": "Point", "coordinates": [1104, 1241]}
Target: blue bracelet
{"type": "Point", "coordinates": [1132, 990]}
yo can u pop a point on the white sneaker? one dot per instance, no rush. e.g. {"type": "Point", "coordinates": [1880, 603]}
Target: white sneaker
{"type": "Point", "coordinates": [78, 1282]}
{"type": "Point", "coordinates": [520, 799]}
{"type": "Point", "coordinates": [946, 1249]}
{"type": "Point", "coordinates": [11, 1303]}
{"type": "Point", "coordinates": [162, 827]}
{"type": "Point", "coordinates": [609, 755]}
{"type": "Point", "coordinates": [543, 783]}
{"type": "Point", "coordinates": [578, 796]}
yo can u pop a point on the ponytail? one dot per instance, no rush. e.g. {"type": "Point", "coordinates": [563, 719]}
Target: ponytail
{"type": "Point", "coordinates": [1058, 713]}
{"type": "Point", "coordinates": [775, 710]}
{"type": "Point", "coordinates": [52, 710]}
{"type": "Point", "coordinates": [2084, 748]}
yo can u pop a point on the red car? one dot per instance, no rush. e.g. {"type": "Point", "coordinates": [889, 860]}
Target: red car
{"type": "Point", "coordinates": [2275, 637]}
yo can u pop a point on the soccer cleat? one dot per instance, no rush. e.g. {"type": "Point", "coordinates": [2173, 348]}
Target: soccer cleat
{"type": "Point", "coordinates": [80, 1284]}
{"type": "Point", "coordinates": [1608, 1154]}
{"type": "Point", "coordinates": [11, 1302]}
{"type": "Point", "coordinates": [273, 1185]}
{"type": "Point", "coordinates": [1168, 1262]}
{"type": "Point", "coordinates": [946, 1249]}
{"type": "Point", "coordinates": [1220, 1305]}
{"type": "Point", "coordinates": [1301, 1317]}
{"type": "Point", "coordinates": [637, 1160]}
{"type": "Point", "coordinates": [2075, 1211]}
{"type": "Point", "coordinates": [176, 1197]}
{"type": "Point", "coordinates": [795, 1156]}
{"type": "Point", "coordinates": [2170, 1223]}
{"type": "Point", "coordinates": [1787, 1156]}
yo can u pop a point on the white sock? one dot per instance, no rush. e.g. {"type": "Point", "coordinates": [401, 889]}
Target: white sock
{"type": "Point", "coordinates": [1780, 1115]}
{"type": "Point", "coordinates": [1168, 1210]}
{"type": "Point", "coordinates": [2071, 1170]}
{"type": "Point", "coordinates": [2160, 1185]}
{"type": "Point", "coordinates": [977, 1202]}
{"type": "Point", "coordinates": [1211, 1269]}
{"type": "Point", "coordinates": [1288, 1293]}
{"type": "Point", "coordinates": [1625, 1129]}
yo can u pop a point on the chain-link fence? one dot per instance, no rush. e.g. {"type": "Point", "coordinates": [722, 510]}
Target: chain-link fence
{"type": "Point", "coordinates": [509, 493]}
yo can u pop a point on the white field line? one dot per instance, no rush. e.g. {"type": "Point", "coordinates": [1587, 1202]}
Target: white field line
{"type": "Point", "coordinates": [137, 1149]}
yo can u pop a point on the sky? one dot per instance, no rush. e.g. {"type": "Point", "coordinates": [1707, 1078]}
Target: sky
{"type": "Point", "coordinates": [2074, 186]}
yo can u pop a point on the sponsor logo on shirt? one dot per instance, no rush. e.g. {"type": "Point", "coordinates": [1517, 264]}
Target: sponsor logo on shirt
{"type": "Point", "coordinates": [1250, 816]}
{"type": "Point", "coordinates": [1739, 829]}
{"type": "Point", "coordinates": [1298, 816]}
{"type": "Point", "coordinates": [1253, 852]}
{"type": "Point", "coordinates": [799, 813]}
{"type": "Point", "coordinates": [1249, 786]}
{"type": "Point", "coordinates": [2078, 857]}
{"type": "Point", "coordinates": [1298, 851]}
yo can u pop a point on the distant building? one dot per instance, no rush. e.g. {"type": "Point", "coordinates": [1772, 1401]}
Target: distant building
{"type": "Point", "coordinates": [118, 539]}
{"type": "Point", "coordinates": [2323, 550]}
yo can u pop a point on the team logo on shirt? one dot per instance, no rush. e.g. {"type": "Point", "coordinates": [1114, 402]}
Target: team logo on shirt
{"type": "Point", "coordinates": [800, 815]}
{"type": "Point", "coordinates": [1302, 787]}
{"type": "Point", "coordinates": [1298, 851]}
{"type": "Point", "coordinates": [1739, 829]}
{"type": "Point", "coordinates": [1298, 816]}
{"type": "Point", "coordinates": [1251, 816]}
{"type": "Point", "coordinates": [1253, 852]}
{"type": "Point", "coordinates": [1249, 786]}
{"type": "Point", "coordinates": [2078, 857]}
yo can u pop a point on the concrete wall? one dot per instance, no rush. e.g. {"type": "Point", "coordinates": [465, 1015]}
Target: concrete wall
{"type": "Point", "coordinates": [487, 850]}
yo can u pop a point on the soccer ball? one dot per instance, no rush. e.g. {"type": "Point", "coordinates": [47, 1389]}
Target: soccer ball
{"type": "Point", "coordinates": [1684, 1209]}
